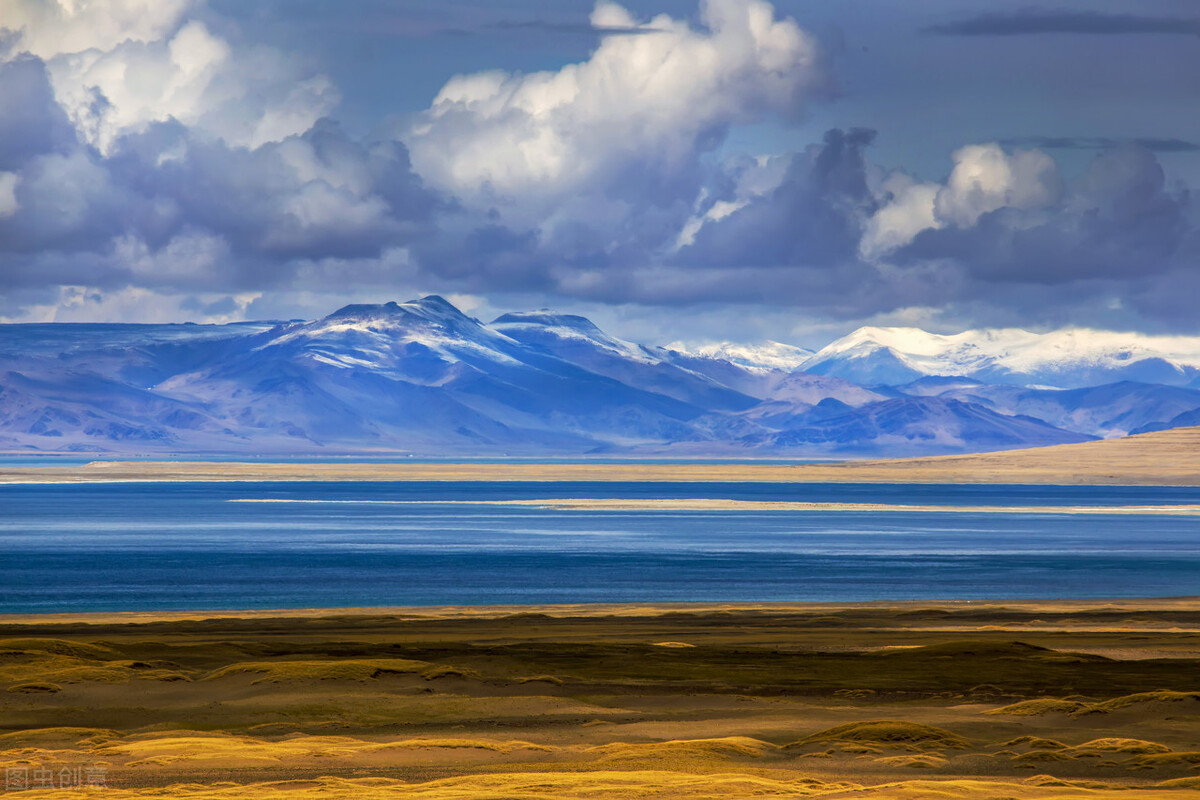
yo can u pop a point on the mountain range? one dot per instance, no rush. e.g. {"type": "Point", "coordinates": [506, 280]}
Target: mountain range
{"type": "Point", "coordinates": [422, 378]}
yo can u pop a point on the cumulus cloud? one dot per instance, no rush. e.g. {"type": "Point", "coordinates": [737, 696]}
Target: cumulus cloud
{"type": "Point", "coordinates": [132, 304]}
{"type": "Point", "coordinates": [814, 217]}
{"type": "Point", "coordinates": [144, 156]}
{"type": "Point", "coordinates": [910, 207]}
{"type": "Point", "coordinates": [150, 156]}
{"type": "Point", "coordinates": [49, 28]}
{"type": "Point", "coordinates": [167, 210]}
{"type": "Point", "coordinates": [31, 120]}
{"type": "Point", "coordinates": [986, 178]}
{"type": "Point", "coordinates": [118, 66]}
{"type": "Point", "coordinates": [650, 103]}
{"type": "Point", "coordinates": [1019, 222]}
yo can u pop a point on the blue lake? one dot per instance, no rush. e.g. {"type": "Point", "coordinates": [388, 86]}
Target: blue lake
{"type": "Point", "coordinates": [112, 547]}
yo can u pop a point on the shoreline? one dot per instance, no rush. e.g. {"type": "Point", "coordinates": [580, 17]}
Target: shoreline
{"type": "Point", "coordinates": [721, 504]}
{"type": "Point", "coordinates": [1165, 458]}
{"type": "Point", "coordinates": [606, 610]}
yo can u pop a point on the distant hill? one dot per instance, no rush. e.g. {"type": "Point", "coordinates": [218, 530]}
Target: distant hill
{"type": "Point", "coordinates": [425, 379]}
{"type": "Point", "coordinates": [1162, 458]}
{"type": "Point", "coordinates": [1070, 358]}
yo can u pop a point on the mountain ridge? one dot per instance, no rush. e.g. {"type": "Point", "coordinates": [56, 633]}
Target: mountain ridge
{"type": "Point", "coordinates": [1068, 358]}
{"type": "Point", "coordinates": [423, 378]}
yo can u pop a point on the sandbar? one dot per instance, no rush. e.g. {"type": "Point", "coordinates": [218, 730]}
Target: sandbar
{"type": "Point", "coordinates": [1170, 458]}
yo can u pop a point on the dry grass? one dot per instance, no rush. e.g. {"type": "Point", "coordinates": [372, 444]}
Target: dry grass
{"type": "Point", "coordinates": [222, 750]}
{"type": "Point", "coordinates": [888, 733]}
{"type": "Point", "coordinates": [1076, 708]}
{"type": "Point", "coordinates": [325, 670]}
{"type": "Point", "coordinates": [1146, 698]}
{"type": "Point", "coordinates": [1035, 743]}
{"type": "Point", "coordinates": [445, 671]}
{"type": "Point", "coordinates": [707, 753]}
{"type": "Point", "coordinates": [1041, 706]}
{"type": "Point", "coordinates": [913, 762]}
{"type": "Point", "coordinates": [550, 679]}
{"type": "Point", "coordinates": [60, 647]}
{"type": "Point", "coordinates": [1120, 745]}
{"type": "Point", "coordinates": [642, 785]}
{"type": "Point", "coordinates": [37, 687]}
{"type": "Point", "coordinates": [890, 690]}
{"type": "Point", "coordinates": [65, 737]}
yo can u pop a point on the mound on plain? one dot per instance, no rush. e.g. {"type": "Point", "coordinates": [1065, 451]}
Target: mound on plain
{"type": "Point", "coordinates": [889, 733]}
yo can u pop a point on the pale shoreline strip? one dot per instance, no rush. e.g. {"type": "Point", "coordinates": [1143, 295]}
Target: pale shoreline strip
{"type": "Point", "coordinates": [1164, 458]}
{"type": "Point", "coordinates": [976, 606]}
{"type": "Point", "coordinates": [719, 504]}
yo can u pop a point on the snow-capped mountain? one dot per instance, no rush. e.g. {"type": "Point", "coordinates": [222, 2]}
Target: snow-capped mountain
{"type": "Point", "coordinates": [578, 341]}
{"type": "Point", "coordinates": [423, 378]}
{"type": "Point", "coordinates": [1070, 358]}
{"type": "Point", "coordinates": [764, 356]}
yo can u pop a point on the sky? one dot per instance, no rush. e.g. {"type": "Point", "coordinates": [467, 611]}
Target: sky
{"type": "Point", "coordinates": [677, 170]}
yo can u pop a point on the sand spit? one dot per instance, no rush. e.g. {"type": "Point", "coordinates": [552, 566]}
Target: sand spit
{"type": "Point", "coordinates": [1095, 613]}
{"type": "Point", "coordinates": [718, 504]}
{"type": "Point", "coordinates": [1163, 458]}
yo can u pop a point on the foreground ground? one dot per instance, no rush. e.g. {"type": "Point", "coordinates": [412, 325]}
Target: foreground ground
{"type": "Point", "coordinates": [1023, 700]}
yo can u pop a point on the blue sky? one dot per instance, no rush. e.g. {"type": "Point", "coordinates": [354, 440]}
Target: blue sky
{"type": "Point", "coordinates": [722, 169]}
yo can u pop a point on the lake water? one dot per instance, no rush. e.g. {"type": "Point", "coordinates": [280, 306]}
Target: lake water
{"type": "Point", "coordinates": [113, 547]}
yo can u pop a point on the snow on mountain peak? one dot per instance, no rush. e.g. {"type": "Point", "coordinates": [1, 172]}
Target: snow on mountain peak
{"type": "Point", "coordinates": [364, 331]}
{"type": "Point", "coordinates": [535, 326]}
{"type": "Point", "coordinates": [1066, 358]}
{"type": "Point", "coordinates": [764, 356]}
{"type": "Point", "coordinates": [549, 319]}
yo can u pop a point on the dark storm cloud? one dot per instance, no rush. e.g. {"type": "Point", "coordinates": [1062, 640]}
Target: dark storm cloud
{"type": "Point", "coordinates": [31, 121]}
{"type": "Point", "coordinates": [1119, 230]}
{"type": "Point", "coordinates": [1120, 221]}
{"type": "Point", "coordinates": [814, 217]}
{"type": "Point", "coordinates": [796, 244]}
{"type": "Point", "coordinates": [1032, 21]}
{"type": "Point", "coordinates": [167, 208]}
{"type": "Point", "coordinates": [1156, 145]}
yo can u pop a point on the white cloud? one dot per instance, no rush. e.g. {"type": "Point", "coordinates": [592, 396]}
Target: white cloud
{"type": "Point", "coordinates": [648, 100]}
{"type": "Point", "coordinates": [188, 257]}
{"type": "Point", "coordinates": [468, 303]}
{"type": "Point", "coordinates": [8, 194]}
{"type": "Point", "coordinates": [607, 14]}
{"type": "Point", "coordinates": [136, 304]}
{"type": "Point", "coordinates": [719, 211]}
{"type": "Point", "coordinates": [120, 65]}
{"type": "Point", "coordinates": [984, 179]}
{"type": "Point", "coordinates": [49, 28]}
{"type": "Point", "coordinates": [909, 211]}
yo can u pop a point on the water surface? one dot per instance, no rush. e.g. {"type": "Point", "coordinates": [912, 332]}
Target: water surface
{"type": "Point", "coordinates": [171, 546]}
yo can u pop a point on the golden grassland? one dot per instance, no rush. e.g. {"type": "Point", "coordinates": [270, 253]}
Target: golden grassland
{"type": "Point", "coordinates": [884, 700]}
{"type": "Point", "coordinates": [1163, 458]}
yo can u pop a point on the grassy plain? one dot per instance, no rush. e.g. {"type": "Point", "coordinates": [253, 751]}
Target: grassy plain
{"type": "Point", "coordinates": [883, 700]}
